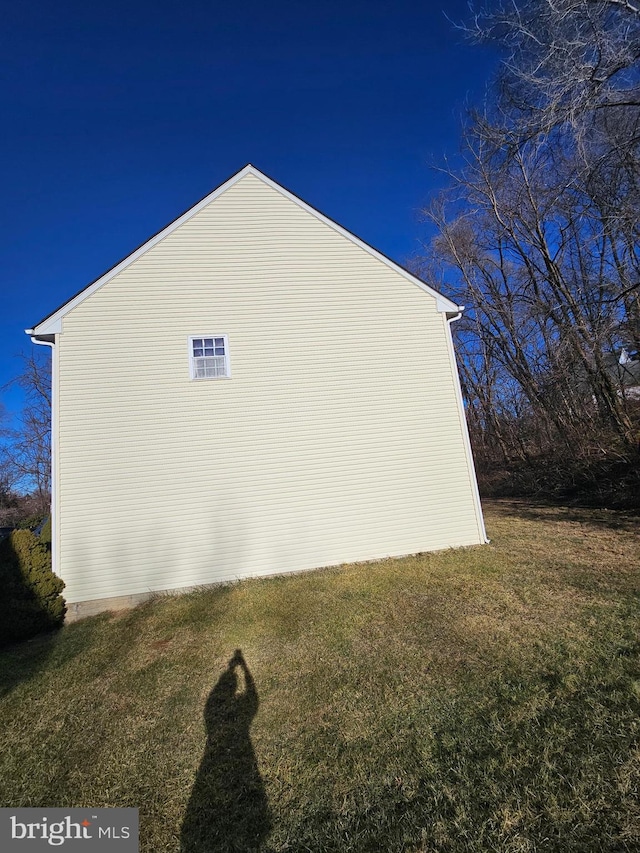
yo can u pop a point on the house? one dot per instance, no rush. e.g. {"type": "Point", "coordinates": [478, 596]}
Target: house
{"type": "Point", "coordinates": [626, 373]}
{"type": "Point", "coordinates": [252, 391]}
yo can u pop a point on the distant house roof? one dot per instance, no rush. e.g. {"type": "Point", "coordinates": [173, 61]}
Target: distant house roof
{"type": "Point", "coordinates": [51, 324]}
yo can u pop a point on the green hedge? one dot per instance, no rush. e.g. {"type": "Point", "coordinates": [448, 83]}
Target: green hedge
{"type": "Point", "coordinates": [31, 601]}
{"type": "Point", "coordinates": [45, 533]}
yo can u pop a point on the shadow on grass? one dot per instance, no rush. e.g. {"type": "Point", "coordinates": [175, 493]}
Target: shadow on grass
{"type": "Point", "coordinates": [23, 661]}
{"type": "Point", "coordinates": [542, 511]}
{"type": "Point", "coordinates": [228, 809]}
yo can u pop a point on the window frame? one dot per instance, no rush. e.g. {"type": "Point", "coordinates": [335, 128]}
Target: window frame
{"type": "Point", "coordinates": [192, 357]}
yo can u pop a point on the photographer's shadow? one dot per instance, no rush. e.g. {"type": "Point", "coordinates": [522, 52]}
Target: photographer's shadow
{"type": "Point", "coordinates": [228, 808]}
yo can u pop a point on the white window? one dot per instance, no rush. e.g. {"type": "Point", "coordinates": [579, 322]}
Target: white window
{"type": "Point", "coordinates": [209, 357]}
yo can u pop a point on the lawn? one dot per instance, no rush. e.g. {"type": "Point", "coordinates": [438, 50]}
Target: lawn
{"type": "Point", "coordinates": [483, 699]}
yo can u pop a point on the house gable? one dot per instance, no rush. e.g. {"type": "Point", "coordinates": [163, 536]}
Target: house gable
{"type": "Point", "coordinates": [336, 432]}
{"type": "Point", "coordinates": [52, 323]}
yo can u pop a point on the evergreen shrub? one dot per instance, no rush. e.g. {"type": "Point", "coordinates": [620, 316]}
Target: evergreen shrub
{"type": "Point", "coordinates": [45, 533]}
{"type": "Point", "coordinates": [31, 600]}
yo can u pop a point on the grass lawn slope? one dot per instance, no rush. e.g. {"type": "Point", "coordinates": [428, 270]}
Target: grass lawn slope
{"type": "Point", "coordinates": [484, 699]}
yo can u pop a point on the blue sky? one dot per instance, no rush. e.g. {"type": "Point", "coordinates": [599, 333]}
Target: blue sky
{"type": "Point", "coordinates": [119, 116]}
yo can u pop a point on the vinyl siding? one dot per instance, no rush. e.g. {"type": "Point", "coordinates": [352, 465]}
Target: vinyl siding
{"type": "Point", "coordinates": [337, 438]}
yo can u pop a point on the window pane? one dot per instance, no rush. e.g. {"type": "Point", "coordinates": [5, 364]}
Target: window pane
{"type": "Point", "coordinates": [208, 358]}
{"type": "Point", "coordinates": [209, 367]}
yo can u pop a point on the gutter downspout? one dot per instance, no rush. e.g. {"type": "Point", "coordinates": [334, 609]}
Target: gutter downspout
{"type": "Point", "coordinates": [451, 318]}
{"type": "Point", "coordinates": [42, 341]}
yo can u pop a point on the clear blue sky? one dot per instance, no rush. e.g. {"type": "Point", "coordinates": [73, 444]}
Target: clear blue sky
{"type": "Point", "coordinates": [118, 116]}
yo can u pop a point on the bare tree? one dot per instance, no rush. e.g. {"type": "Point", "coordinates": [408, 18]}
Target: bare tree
{"type": "Point", "coordinates": [28, 446]}
{"type": "Point", "coordinates": [564, 61]}
{"type": "Point", "coordinates": [570, 81]}
{"type": "Point", "coordinates": [7, 474]}
{"type": "Point", "coordinates": [538, 233]}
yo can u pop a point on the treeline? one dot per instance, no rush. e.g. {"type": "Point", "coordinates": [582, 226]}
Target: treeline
{"type": "Point", "coordinates": [538, 234]}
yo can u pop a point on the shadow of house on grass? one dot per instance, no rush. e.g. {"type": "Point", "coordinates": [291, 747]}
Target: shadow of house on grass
{"type": "Point", "coordinates": [228, 810]}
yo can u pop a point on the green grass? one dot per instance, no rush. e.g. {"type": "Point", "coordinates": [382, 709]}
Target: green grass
{"type": "Point", "coordinates": [484, 699]}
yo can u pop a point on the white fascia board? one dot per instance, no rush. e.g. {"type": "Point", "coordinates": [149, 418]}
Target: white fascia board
{"type": "Point", "coordinates": [53, 323]}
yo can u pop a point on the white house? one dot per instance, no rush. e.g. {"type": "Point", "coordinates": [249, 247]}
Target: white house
{"type": "Point", "coordinates": [252, 391]}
